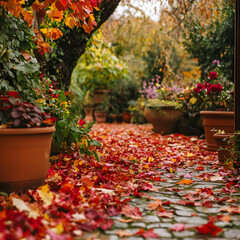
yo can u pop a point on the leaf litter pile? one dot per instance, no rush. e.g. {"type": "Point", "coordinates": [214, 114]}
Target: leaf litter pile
{"type": "Point", "coordinates": [82, 196]}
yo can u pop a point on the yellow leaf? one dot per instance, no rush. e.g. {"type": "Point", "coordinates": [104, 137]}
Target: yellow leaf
{"type": "Point", "coordinates": [45, 194]}
{"type": "Point", "coordinates": [70, 22]}
{"type": "Point", "coordinates": [58, 229]}
{"type": "Point", "coordinates": [92, 17]}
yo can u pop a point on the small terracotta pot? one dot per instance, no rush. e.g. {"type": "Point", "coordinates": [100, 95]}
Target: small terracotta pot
{"type": "Point", "coordinates": [126, 117]}
{"type": "Point", "coordinates": [24, 157]}
{"type": "Point", "coordinates": [164, 121]}
{"type": "Point", "coordinates": [100, 117]}
{"type": "Point", "coordinates": [219, 120]}
{"type": "Point", "coordinates": [221, 140]}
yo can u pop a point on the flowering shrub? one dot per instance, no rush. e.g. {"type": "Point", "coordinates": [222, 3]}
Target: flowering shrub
{"type": "Point", "coordinates": [15, 113]}
{"type": "Point", "coordinates": [149, 89]}
{"type": "Point", "coordinates": [71, 130]}
{"type": "Point", "coordinates": [215, 94]}
{"type": "Point", "coordinates": [169, 93]}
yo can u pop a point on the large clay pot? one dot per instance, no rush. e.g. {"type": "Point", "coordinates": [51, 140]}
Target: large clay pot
{"type": "Point", "coordinates": [24, 157]}
{"type": "Point", "coordinates": [218, 120]}
{"type": "Point", "coordinates": [164, 120]}
{"type": "Point", "coordinates": [99, 95]}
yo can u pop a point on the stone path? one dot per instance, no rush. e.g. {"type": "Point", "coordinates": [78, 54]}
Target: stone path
{"type": "Point", "coordinates": [192, 204]}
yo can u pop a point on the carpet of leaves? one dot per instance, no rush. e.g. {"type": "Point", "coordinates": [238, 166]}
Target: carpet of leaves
{"type": "Point", "coordinates": [81, 194]}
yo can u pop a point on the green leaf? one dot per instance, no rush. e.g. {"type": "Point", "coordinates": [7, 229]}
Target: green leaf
{"type": "Point", "coordinates": [95, 143]}
{"type": "Point", "coordinates": [4, 194]}
{"type": "Point", "coordinates": [96, 156]}
{"type": "Point", "coordinates": [62, 123]}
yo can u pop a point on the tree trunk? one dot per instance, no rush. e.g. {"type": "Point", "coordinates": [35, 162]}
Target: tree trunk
{"type": "Point", "coordinates": [71, 46]}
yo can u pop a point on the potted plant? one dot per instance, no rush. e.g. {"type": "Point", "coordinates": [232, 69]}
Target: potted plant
{"type": "Point", "coordinates": [25, 143]}
{"type": "Point", "coordinates": [101, 111]}
{"type": "Point", "coordinates": [163, 114]}
{"type": "Point", "coordinates": [213, 99]}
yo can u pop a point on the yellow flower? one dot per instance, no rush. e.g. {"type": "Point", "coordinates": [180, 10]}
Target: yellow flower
{"type": "Point", "coordinates": [193, 100]}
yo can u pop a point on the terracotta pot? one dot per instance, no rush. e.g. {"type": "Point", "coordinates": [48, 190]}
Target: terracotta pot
{"type": "Point", "coordinates": [24, 157]}
{"type": "Point", "coordinates": [88, 113]}
{"type": "Point", "coordinates": [164, 121]}
{"type": "Point", "coordinates": [99, 94]}
{"type": "Point", "coordinates": [126, 117]}
{"type": "Point", "coordinates": [216, 120]}
{"type": "Point", "coordinates": [222, 146]}
{"type": "Point", "coordinates": [100, 117]}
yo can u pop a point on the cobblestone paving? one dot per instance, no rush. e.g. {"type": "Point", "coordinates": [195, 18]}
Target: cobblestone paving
{"type": "Point", "coordinates": [189, 214]}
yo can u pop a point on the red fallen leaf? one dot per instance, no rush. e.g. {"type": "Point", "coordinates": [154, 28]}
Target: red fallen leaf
{"type": "Point", "coordinates": [209, 228]}
{"type": "Point", "coordinates": [131, 212]}
{"type": "Point", "coordinates": [165, 214]}
{"type": "Point", "coordinates": [166, 203]}
{"type": "Point", "coordinates": [106, 224]}
{"type": "Point", "coordinates": [185, 181]}
{"type": "Point", "coordinates": [199, 168]}
{"type": "Point", "coordinates": [182, 202]}
{"type": "Point", "coordinates": [148, 234]}
{"type": "Point", "coordinates": [178, 227]}
{"type": "Point", "coordinates": [136, 193]}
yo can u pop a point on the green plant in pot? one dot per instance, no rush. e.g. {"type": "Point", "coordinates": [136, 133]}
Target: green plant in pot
{"type": "Point", "coordinates": [163, 114]}
{"type": "Point", "coordinates": [213, 99]}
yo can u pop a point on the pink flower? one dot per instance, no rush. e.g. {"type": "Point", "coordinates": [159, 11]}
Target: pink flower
{"type": "Point", "coordinates": [216, 62]}
{"type": "Point", "coordinates": [213, 75]}
{"type": "Point", "coordinates": [81, 122]}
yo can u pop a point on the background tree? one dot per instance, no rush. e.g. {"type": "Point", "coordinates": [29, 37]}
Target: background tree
{"type": "Point", "coordinates": [74, 21]}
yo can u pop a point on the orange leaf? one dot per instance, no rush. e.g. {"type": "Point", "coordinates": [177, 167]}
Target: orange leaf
{"type": "Point", "coordinates": [26, 55]}
{"type": "Point", "coordinates": [185, 181]}
{"type": "Point", "coordinates": [155, 205]}
{"type": "Point", "coordinates": [125, 220]}
{"type": "Point", "coordinates": [124, 233]}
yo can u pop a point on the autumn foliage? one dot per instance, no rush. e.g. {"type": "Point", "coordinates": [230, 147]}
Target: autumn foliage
{"type": "Point", "coordinates": [42, 15]}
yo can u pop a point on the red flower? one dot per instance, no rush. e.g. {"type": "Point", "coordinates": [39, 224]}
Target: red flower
{"type": "Point", "coordinates": [81, 122]}
{"type": "Point", "coordinates": [13, 94]}
{"type": "Point", "coordinates": [213, 75]}
{"type": "Point", "coordinates": [200, 87]}
{"type": "Point", "coordinates": [211, 88]}
{"type": "Point", "coordinates": [50, 121]}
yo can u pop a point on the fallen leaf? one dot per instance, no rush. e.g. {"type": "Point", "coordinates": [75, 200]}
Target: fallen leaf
{"type": "Point", "coordinates": [165, 214]}
{"type": "Point", "coordinates": [178, 227]}
{"type": "Point", "coordinates": [124, 233]}
{"type": "Point", "coordinates": [155, 205]}
{"type": "Point", "coordinates": [209, 229]}
{"type": "Point", "coordinates": [45, 194]}
{"type": "Point", "coordinates": [185, 181]}
{"type": "Point", "coordinates": [22, 206]}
